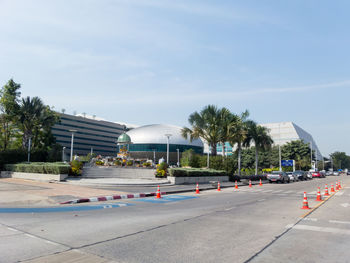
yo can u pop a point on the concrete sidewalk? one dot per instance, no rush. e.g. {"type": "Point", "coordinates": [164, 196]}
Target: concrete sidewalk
{"type": "Point", "coordinates": [20, 192]}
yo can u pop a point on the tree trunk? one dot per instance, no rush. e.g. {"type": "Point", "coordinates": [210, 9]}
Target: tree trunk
{"type": "Point", "coordinates": [239, 160]}
{"type": "Point", "coordinates": [256, 160]}
{"type": "Point", "coordinates": [213, 149]}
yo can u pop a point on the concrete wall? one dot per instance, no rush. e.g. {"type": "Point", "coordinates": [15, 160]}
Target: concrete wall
{"type": "Point", "coordinates": [34, 176]}
{"type": "Point", "coordinates": [118, 172]}
{"type": "Point", "coordinates": [199, 179]}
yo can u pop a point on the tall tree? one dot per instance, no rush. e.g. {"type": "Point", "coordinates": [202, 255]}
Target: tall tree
{"type": "Point", "coordinates": [205, 125]}
{"type": "Point", "coordinates": [298, 151]}
{"type": "Point", "coordinates": [238, 134]}
{"type": "Point", "coordinates": [9, 107]}
{"type": "Point", "coordinates": [30, 117]}
{"type": "Point", "coordinates": [259, 135]}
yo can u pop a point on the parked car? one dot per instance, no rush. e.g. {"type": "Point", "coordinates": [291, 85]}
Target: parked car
{"type": "Point", "coordinates": [302, 175]}
{"type": "Point", "coordinates": [336, 173]}
{"type": "Point", "coordinates": [329, 173]}
{"type": "Point", "coordinates": [309, 175]}
{"type": "Point", "coordinates": [292, 176]}
{"type": "Point", "coordinates": [277, 176]}
{"type": "Point", "coordinates": [317, 175]}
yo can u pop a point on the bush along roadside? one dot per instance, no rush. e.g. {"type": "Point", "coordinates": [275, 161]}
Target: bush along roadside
{"type": "Point", "coordinates": [43, 168]}
{"type": "Point", "coordinates": [193, 172]}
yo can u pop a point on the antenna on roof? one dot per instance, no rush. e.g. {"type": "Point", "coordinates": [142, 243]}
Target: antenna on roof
{"type": "Point", "coordinates": [63, 111]}
{"type": "Point", "coordinates": [74, 112]}
{"type": "Point", "coordinates": [94, 116]}
{"type": "Point", "coordinates": [84, 114]}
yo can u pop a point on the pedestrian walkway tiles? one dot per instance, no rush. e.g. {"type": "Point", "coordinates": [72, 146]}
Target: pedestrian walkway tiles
{"type": "Point", "coordinates": [61, 208]}
{"type": "Point", "coordinates": [165, 199]}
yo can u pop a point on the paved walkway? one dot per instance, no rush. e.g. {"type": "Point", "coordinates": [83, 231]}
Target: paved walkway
{"type": "Point", "coordinates": [20, 192]}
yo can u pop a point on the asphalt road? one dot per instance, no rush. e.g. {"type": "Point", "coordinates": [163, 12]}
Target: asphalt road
{"type": "Point", "coordinates": [261, 224]}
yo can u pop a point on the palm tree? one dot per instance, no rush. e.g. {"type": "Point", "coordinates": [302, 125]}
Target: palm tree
{"type": "Point", "coordinates": [30, 113]}
{"type": "Point", "coordinates": [238, 134]}
{"type": "Point", "coordinates": [227, 120]}
{"type": "Point", "coordinates": [259, 135]}
{"type": "Point", "coordinates": [207, 125]}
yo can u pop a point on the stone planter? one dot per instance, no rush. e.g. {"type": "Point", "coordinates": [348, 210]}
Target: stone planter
{"type": "Point", "coordinates": [196, 179]}
{"type": "Point", "coordinates": [34, 176]}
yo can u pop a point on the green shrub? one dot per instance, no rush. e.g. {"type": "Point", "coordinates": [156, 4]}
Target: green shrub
{"type": "Point", "coordinates": [43, 168]}
{"type": "Point", "coordinates": [190, 158]}
{"type": "Point", "coordinates": [117, 162]}
{"type": "Point", "coordinates": [76, 167]}
{"type": "Point", "coordinates": [99, 162]}
{"type": "Point", "coordinates": [146, 164]}
{"type": "Point", "coordinates": [192, 172]}
{"type": "Point", "coordinates": [129, 163]}
{"type": "Point", "coordinates": [162, 170]}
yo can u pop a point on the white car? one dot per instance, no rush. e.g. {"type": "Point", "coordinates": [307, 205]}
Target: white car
{"type": "Point", "coordinates": [292, 176]}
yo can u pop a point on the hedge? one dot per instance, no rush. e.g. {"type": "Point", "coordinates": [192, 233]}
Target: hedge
{"type": "Point", "coordinates": [42, 168]}
{"type": "Point", "coordinates": [192, 172]}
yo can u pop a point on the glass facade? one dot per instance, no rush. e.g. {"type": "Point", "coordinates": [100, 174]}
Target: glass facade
{"type": "Point", "coordinates": [162, 148]}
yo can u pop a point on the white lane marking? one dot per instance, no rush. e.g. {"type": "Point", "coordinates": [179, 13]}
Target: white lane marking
{"type": "Point", "coordinates": [261, 200]}
{"type": "Point", "coordinates": [277, 191]}
{"type": "Point", "coordinates": [228, 209]}
{"type": "Point", "coordinates": [301, 192]}
{"type": "Point", "coordinates": [322, 229]}
{"type": "Point", "coordinates": [312, 193]}
{"type": "Point", "coordinates": [339, 193]}
{"type": "Point", "coordinates": [288, 192]}
{"type": "Point", "coordinates": [29, 235]}
{"type": "Point", "coordinates": [12, 229]}
{"type": "Point", "coordinates": [51, 243]}
{"type": "Point", "coordinates": [267, 191]}
{"type": "Point", "coordinates": [339, 222]}
{"type": "Point", "coordinates": [310, 219]}
{"type": "Point", "coordinates": [345, 205]}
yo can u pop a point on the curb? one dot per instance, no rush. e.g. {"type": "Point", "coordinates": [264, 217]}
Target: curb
{"type": "Point", "coordinates": [109, 198]}
{"type": "Point", "coordinates": [140, 195]}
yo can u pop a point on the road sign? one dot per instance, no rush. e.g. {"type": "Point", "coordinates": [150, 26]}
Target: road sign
{"type": "Point", "coordinates": [287, 162]}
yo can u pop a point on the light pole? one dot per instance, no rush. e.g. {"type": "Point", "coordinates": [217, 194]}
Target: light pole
{"type": "Point", "coordinates": [29, 146]}
{"type": "Point", "coordinates": [208, 157]}
{"type": "Point", "coordinates": [178, 157]}
{"type": "Point", "coordinates": [311, 153]}
{"type": "Point", "coordinates": [63, 157]}
{"type": "Point", "coordinates": [71, 144]}
{"type": "Point", "coordinates": [279, 146]}
{"type": "Point", "coordinates": [167, 146]}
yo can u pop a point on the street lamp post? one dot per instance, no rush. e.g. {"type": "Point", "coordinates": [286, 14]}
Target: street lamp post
{"type": "Point", "coordinates": [178, 157]}
{"type": "Point", "coordinates": [29, 146]}
{"type": "Point", "coordinates": [311, 153]}
{"type": "Point", "coordinates": [167, 146]}
{"type": "Point", "coordinates": [279, 146]}
{"type": "Point", "coordinates": [71, 144]}
{"type": "Point", "coordinates": [63, 154]}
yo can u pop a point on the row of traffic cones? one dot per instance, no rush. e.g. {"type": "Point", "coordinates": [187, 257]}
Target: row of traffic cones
{"type": "Point", "coordinates": [319, 196]}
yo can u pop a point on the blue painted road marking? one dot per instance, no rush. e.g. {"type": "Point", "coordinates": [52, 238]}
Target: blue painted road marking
{"type": "Point", "coordinates": [165, 199]}
{"type": "Point", "coordinates": [60, 208]}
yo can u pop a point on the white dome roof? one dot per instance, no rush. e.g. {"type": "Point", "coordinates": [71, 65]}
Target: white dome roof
{"type": "Point", "coordinates": [155, 134]}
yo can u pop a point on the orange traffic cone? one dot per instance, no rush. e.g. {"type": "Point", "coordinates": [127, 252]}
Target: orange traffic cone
{"type": "Point", "coordinates": [250, 183]}
{"type": "Point", "coordinates": [305, 202]}
{"type": "Point", "coordinates": [319, 197]}
{"type": "Point", "coordinates": [326, 191]}
{"type": "Point", "coordinates": [260, 183]}
{"type": "Point", "coordinates": [336, 186]}
{"type": "Point", "coordinates": [158, 193]}
{"type": "Point", "coordinates": [236, 185]}
{"type": "Point", "coordinates": [332, 188]}
{"type": "Point", "coordinates": [197, 189]}
{"type": "Point", "coordinates": [339, 185]}
{"type": "Point", "coordinates": [219, 188]}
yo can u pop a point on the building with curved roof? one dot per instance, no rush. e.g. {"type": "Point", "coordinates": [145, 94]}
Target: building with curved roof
{"type": "Point", "coordinates": [150, 141]}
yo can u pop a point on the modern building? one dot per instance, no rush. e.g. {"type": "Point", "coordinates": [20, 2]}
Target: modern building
{"type": "Point", "coordinates": [91, 134]}
{"type": "Point", "coordinates": [283, 132]}
{"type": "Point", "coordinates": [151, 141]}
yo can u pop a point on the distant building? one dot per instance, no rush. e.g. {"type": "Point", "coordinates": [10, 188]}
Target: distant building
{"type": "Point", "coordinates": [92, 134]}
{"type": "Point", "coordinates": [150, 141]}
{"type": "Point", "coordinates": [281, 133]}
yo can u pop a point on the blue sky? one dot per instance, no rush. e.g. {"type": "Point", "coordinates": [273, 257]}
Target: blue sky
{"type": "Point", "coordinates": [148, 61]}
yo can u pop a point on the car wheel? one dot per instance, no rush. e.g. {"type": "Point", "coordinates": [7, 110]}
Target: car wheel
{"type": "Point", "coordinates": [270, 182]}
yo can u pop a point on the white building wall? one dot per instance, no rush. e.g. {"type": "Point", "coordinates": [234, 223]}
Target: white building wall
{"type": "Point", "coordinates": [283, 132]}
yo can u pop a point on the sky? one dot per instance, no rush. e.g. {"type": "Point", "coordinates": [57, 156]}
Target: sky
{"type": "Point", "coordinates": [158, 61]}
